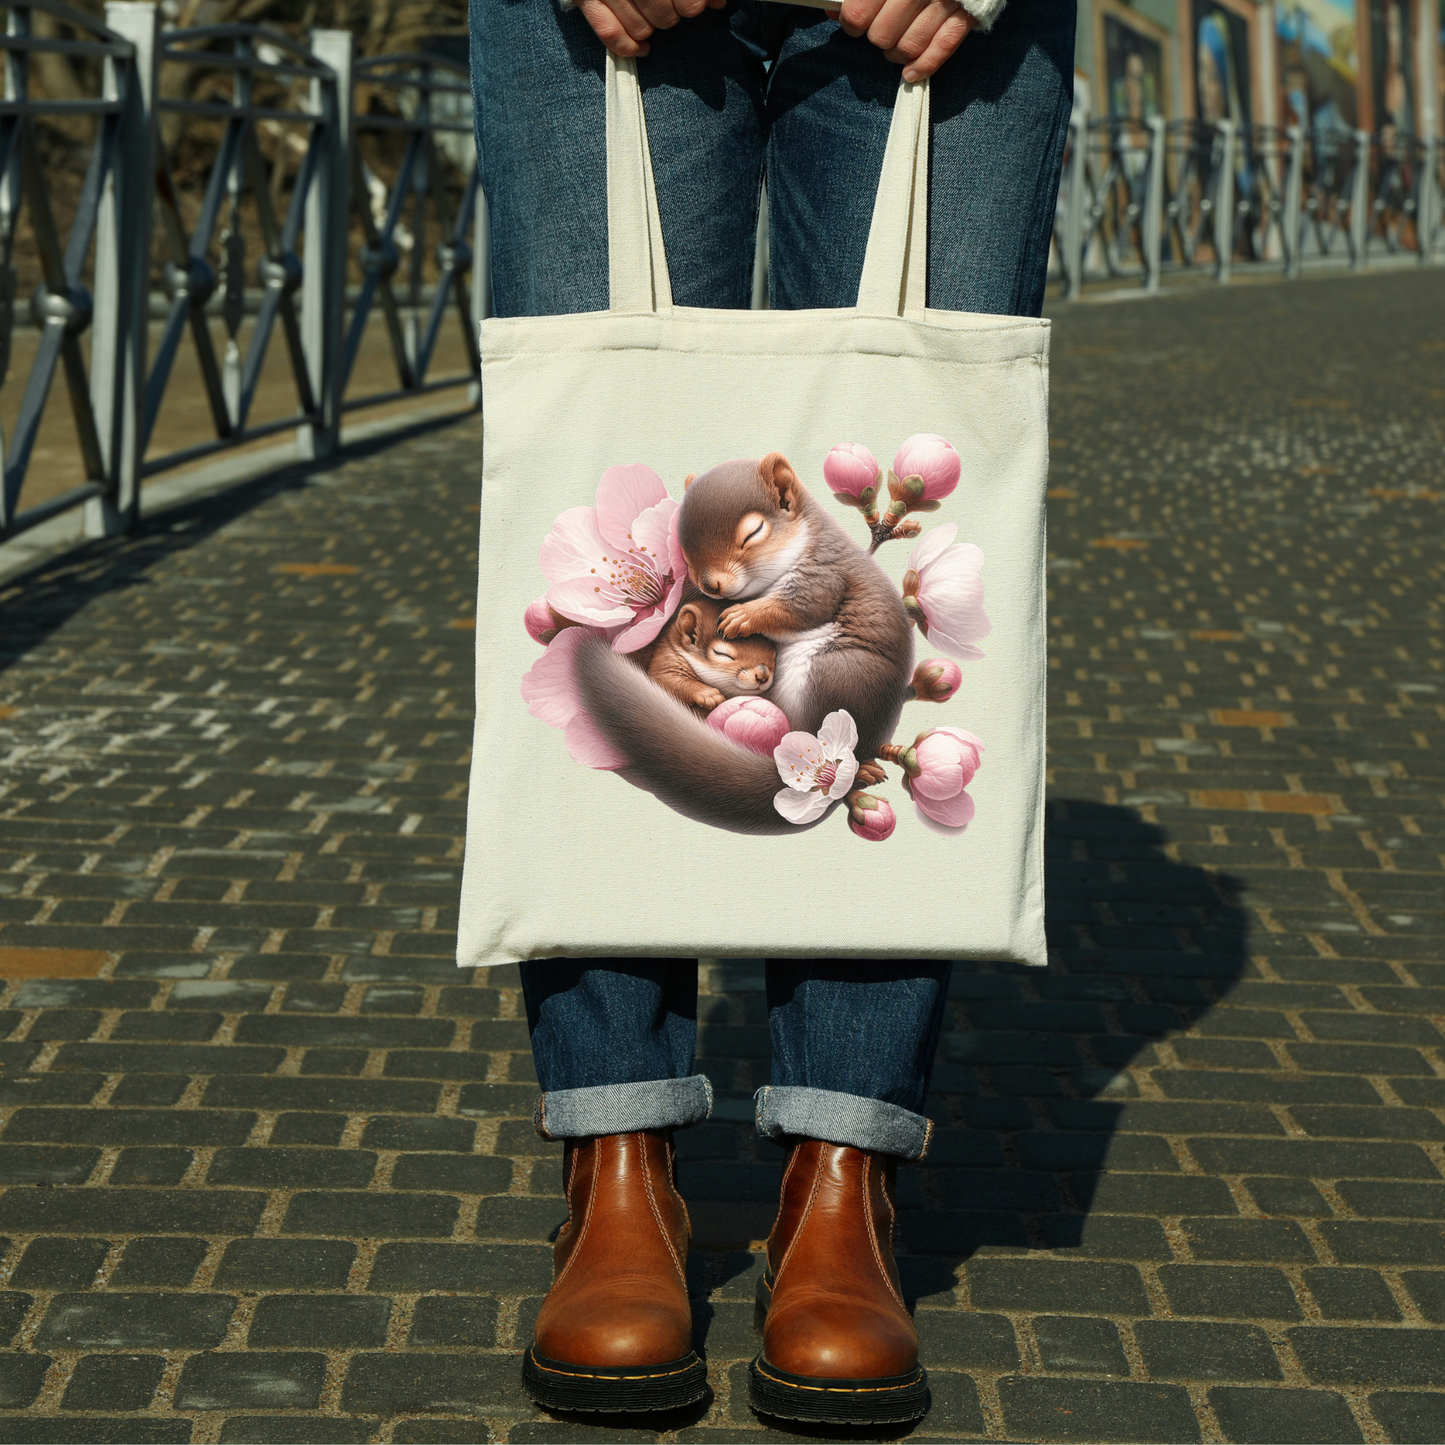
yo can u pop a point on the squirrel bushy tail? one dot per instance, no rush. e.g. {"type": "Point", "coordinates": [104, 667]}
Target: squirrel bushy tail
{"type": "Point", "coordinates": [671, 752]}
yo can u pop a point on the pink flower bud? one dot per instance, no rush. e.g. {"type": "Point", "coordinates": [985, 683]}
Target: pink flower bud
{"type": "Point", "coordinates": [946, 760]}
{"type": "Point", "coordinates": [869, 817]}
{"type": "Point", "coordinates": [751, 722]}
{"type": "Point", "coordinates": [538, 621]}
{"type": "Point", "coordinates": [852, 473]}
{"type": "Point", "coordinates": [542, 623]}
{"type": "Point", "coordinates": [932, 461]}
{"type": "Point", "coordinates": [936, 680]}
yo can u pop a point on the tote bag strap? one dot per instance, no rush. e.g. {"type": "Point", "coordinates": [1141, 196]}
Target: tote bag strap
{"type": "Point", "coordinates": [636, 258]}
{"type": "Point", "coordinates": [895, 267]}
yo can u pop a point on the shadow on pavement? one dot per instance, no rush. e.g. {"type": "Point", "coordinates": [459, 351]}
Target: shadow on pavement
{"type": "Point", "coordinates": [38, 603]}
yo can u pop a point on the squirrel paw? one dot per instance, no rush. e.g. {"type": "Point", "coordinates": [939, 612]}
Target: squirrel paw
{"type": "Point", "coordinates": [869, 774]}
{"type": "Point", "coordinates": [708, 698]}
{"type": "Point", "coordinates": [736, 621]}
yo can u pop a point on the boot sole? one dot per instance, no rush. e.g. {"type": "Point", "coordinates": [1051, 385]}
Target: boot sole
{"type": "Point", "coordinates": [555, 1385]}
{"type": "Point", "coordinates": [885, 1401]}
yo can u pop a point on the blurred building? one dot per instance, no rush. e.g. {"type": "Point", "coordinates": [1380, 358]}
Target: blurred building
{"type": "Point", "coordinates": [1375, 65]}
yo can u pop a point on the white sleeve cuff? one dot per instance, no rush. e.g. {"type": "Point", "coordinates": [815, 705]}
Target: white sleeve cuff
{"type": "Point", "coordinates": [985, 12]}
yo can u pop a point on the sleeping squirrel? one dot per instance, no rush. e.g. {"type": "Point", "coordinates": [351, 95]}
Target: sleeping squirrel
{"type": "Point", "coordinates": [694, 662]}
{"type": "Point", "coordinates": [758, 542]}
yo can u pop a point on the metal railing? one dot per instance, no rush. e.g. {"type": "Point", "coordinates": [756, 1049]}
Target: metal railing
{"type": "Point", "coordinates": [1141, 199]}
{"type": "Point", "coordinates": [231, 184]}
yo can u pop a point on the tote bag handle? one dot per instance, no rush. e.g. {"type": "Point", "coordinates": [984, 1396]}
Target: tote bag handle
{"type": "Point", "coordinates": [895, 267]}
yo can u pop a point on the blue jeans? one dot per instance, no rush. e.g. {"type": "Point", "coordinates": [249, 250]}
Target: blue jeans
{"type": "Point", "coordinates": [853, 1046]}
{"type": "Point", "coordinates": [778, 85]}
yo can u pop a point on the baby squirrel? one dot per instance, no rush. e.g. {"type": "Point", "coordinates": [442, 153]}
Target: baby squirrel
{"type": "Point", "coordinates": [757, 541]}
{"type": "Point", "coordinates": [698, 666]}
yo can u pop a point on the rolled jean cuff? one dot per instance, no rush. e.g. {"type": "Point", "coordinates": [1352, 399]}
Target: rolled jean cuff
{"type": "Point", "coordinates": [623, 1108]}
{"type": "Point", "coordinates": [835, 1118]}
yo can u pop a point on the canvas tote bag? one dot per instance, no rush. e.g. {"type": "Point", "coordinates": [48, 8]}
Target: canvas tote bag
{"type": "Point", "coordinates": [643, 783]}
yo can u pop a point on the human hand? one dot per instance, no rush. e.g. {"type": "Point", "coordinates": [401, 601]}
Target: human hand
{"type": "Point", "coordinates": [918, 34]}
{"type": "Point", "coordinates": [624, 25]}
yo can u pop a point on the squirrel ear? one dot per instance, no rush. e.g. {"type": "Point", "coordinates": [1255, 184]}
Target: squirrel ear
{"type": "Point", "coordinates": [688, 480]}
{"type": "Point", "coordinates": [689, 622]}
{"type": "Point", "coordinates": [778, 476]}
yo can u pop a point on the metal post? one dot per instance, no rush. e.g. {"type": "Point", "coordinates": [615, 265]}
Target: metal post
{"type": "Point", "coordinates": [122, 275]}
{"type": "Point", "coordinates": [481, 276]}
{"type": "Point", "coordinates": [1427, 216]}
{"type": "Point", "coordinates": [760, 254]}
{"type": "Point", "coordinates": [1224, 202]}
{"type": "Point", "coordinates": [323, 296]}
{"type": "Point", "coordinates": [1360, 201]}
{"type": "Point", "coordinates": [1294, 177]}
{"type": "Point", "coordinates": [1073, 257]}
{"type": "Point", "coordinates": [1152, 229]}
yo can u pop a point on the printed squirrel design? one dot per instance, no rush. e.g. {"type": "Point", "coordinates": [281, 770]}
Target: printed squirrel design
{"type": "Point", "coordinates": [702, 668]}
{"type": "Point", "coordinates": [756, 539]}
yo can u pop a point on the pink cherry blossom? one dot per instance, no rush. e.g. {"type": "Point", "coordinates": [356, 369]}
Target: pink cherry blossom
{"type": "Point", "coordinates": [849, 469]}
{"type": "Point", "coordinates": [751, 722]}
{"type": "Point", "coordinates": [943, 592]}
{"type": "Point", "coordinates": [549, 688]}
{"type": "Point", "coordinates": [871, 818]}
{"type": "Point", "coordinates": [618, 565]}
{"type": "Point", "coordinates": [936, 679]}
{"type": "Point", "coordinates": [937, 771]}
{"type": "Point", "coordinates": [817, 770]}
{"type": "Point", "coordinates": [933, 461]}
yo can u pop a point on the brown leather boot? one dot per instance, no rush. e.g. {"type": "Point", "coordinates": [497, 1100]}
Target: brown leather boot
{"type": "Point", "coordinates": [839, 1344]}
{"type": "Point", "coordinates": [615, 1331]}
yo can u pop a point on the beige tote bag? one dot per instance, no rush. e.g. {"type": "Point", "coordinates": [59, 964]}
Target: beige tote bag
{"type": "Point", "coordinates": [722, 651]}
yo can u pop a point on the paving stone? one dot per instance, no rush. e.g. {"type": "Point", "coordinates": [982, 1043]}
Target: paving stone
{"type": "Point", "coordinates": [13, 1308]}
{"type": "Point", "coordinates": [286, 1264]}
{"type": "Point", "coordinates": [1351, 1294]}
{"type": "Point", "coordinates": [372, 1216]}
{"type": "Point", "coordinates": [171, 1262]}
{"type": "Point", "coordinates": [967, 1340]}
{"type": "Point", "coordinates": [1413, 1417]}
{"type": "Point", "coordinates": [59, 1263]}
{"type": "Point", "coordinates": [1288, 1196]}
{"type": "Point", "coordinates": [475, 1268]}
{"type": "Point", "coordinates": [1239, 1239]}
{"type": "Point", "coordinates": [1038, 1285]}
{"type": "Point", "coordinates": [1182, 1350]}
{"type": "Point", "coordinates": [113, 1382]}
{"type": "Point", "coordinates": [95, 1429]}
{"type": "Point", "coordinates": [1070, 1344]}
{"type": "Point", "coordinates": [297, 1430]}
{"type": "Point", "coordinates": [473, 1174]}
{"type": "Point", "coordinates": [1283, 1417]}
{"type": "Point", "coordinates": [320, 1322]}
{"type": "Point", "coordinates": [1361, 1241]}
{"type": "Point", "coordinates": [135, 1321]}
{"type": "Point", "coordinates": [1037, 1408]}
{"type": "Point", "coordinates": [292, 1168]}
{"type": "Point", "coordinates": [393, 1384]}
{"type": "Point", "coordinates": [1427, 1289]}
{"type": "Point", "coordinates": [249, 1380]}
{"type": "Point", "coordinates": [131, 1211]}
{"type": "Point", "coordinates": [21, 1378]}
{"type": "Point", "coordinates": [1242, 1292]}
{"type": "Point", "coordinates": [443, 1320]}
{"type": "Point", "coordinates": [1333, 1355]}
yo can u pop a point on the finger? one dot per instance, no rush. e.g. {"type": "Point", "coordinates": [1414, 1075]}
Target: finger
{"type": "Point", "coordinates": [946, 39]}
{"type": "Point", "coordinates": [618, 25]}
{"type": "Point", "coordinates": [893, 20]}
{"type": "Point", "coordinates": [926, 24]}
{"type": "Point", "coordinates": [856, 16]}
{"type": "Point", "coordinates": [661, 14]}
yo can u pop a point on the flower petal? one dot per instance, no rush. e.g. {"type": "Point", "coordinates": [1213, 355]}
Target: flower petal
{"type": "Point", "coordinates": [930, 544]}
{"type": "Point", "coordinates": [573, 547]}
{"type": "Point", "coordinates": [648, 623]}
{"type": "Point", "coordinates": [800, 807]}
{"type": "Point", "coordinates": [623, 494]}
{"type": "Point", "coordinates": [950, 816]}
{"type": "Point", "coordinates": [587, 745]}
{"type": "Point", "coordinates": [838, 735]}
{"type": "Point", "coordinates": [650, 531]}
{"type": "Point", "coordinates": [585, 599]}
{"type": "Point", "coordinates": [843, 782]}
{"type": "Point", "coordinates": [798, 757]}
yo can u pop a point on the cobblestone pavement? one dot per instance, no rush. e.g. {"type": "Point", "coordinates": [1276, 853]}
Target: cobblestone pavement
{"type": "Point", "coordinates": [270, 1175]}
